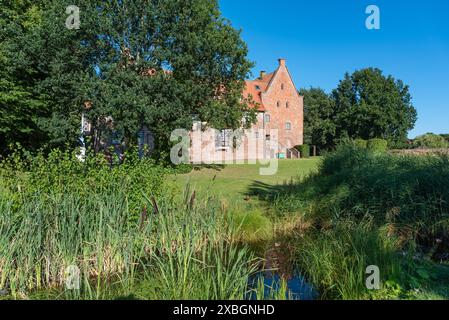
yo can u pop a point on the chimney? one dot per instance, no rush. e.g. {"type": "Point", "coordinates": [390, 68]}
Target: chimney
{"type": "Point", "coordinates": [262, 74]}
{"type": "Point", "coordinates": [281, 62]}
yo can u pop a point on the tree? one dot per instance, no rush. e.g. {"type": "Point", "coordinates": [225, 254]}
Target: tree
{"type": "Point", "coordinates": [319, 118]}
{"type": "Point", "coordinates": [153, 63]}
{"type": "Point", "coordinates": [20, 105]}
{"type": "Point", "coordinates": [370, 105]}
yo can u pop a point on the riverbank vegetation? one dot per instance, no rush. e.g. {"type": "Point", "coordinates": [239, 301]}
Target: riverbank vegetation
{"type": "Point", "coordinates": [140, 231]}
{"type": "Point", "coordinates": [365, 208]}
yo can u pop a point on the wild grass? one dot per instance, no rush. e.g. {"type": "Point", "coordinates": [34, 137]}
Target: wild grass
{"type": "Point", "coordinates": [364, 208]}
{"type": "Point", "coordinates": [335, 260]}
{"type": "Point", "coordinates": [250, 226]}
{"type": "Point", "coordinates": [409, 193]}
{"type": "Point", "coordinates": [121, 228]}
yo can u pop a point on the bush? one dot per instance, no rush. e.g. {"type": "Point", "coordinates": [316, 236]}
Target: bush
{"type": "Point", "coordinates": [304, 150]}
{"type": "Point", "coordinates": [250, 226]}
{"type": "Point", "coordinates": [400, 144]}
{"type": "Point", "coordinates": [61, 173]}
{"type": "Point", "coordinates": [360, 143]}
{"type": "Point", "coordinates": [430, 140]}
{"type": "Point", "coordinates": [377, 145]}
{"type": "Point", "coordinates": [446, 137]}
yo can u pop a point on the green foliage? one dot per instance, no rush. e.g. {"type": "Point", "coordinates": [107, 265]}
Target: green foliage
{"type": "Point", "coordinates": [369, 105]}
{"type": "Point", "coordinates": [250, 226]}
{"type": "Point", "coordinates": [400, 144]}
{"type": "Point", "coordinates": [60, 172]}
{"type": "Point", "coordinates": [361, 143]}
{"type": "Point", "coordinates": [409, 193]}
{"type": "Point", "coordinates": [335, 260]}
{"type": "Point", "coordinates": [365, 104]}
{"type": "Point", "coordinates": [377, 145]}
{"type": "Point", "coordinates": [20, 104]}
{"type": "Point", "coordinates": [430, 140]}
{"type": "Point", "coordinates": [319, 125]}
{"type": "Point", "coordinates": [360, 209]}
{"type": "Point", "coordinates": [445, 136]}
{"type": "Point", "coordinates": [304, 150]}
{"type": "Point", "coordinates": [121, 226]}
{"type": "Point", "coordinates": [190, 46]}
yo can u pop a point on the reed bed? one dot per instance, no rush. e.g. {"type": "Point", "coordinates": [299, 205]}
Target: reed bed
{"type": "Point", "coordinates": [121, 227]}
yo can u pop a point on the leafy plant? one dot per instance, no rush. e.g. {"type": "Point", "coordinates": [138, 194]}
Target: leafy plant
{"type": "Point", "coordinates": [430, 140]}
{"type": "Point", "coordinates": [377, 145]}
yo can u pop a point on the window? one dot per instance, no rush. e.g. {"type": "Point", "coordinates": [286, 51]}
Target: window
{"type": "Point", "coordinates": [282, 86]}
{"type": "Point", "coordinates": [257, 134]}
{"type": "Point", "coordinates": [287, 105]}
{"type": "Point", "coordinates": [288, 126]}
{"type": "Point", "coordinates": [278, 104]}
{"type": "Point", "coordinates": [267, 118]}
{"type": "Point", "coordinates": [257, 87]}
{"type": "Point", "coordinates": [222, 139]}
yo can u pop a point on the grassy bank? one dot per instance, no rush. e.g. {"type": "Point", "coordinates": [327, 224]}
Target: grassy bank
{"type": "Point", "coordinates": [140, 231]}
{"type": "Point", "coordinates": [363, 209]}
{"type": "Point", "coordinates": [122, 227]}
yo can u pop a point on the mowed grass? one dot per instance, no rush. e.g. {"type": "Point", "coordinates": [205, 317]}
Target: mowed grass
{"type": "Point", "coordinates": [232, 182]}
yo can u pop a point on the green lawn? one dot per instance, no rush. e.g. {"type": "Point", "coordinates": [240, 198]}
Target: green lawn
{"type": "Point", "coordinates": [232, 182]}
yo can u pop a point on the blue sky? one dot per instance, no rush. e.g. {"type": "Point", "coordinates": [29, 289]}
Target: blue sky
{"type": "Point", "coordinates": [322, 40]}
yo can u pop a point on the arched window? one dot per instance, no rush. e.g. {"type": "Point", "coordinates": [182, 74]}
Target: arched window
{"type": "Point", "coordinates": [288, 126]}
{"type": "Point", "coordinates": [282, 86]}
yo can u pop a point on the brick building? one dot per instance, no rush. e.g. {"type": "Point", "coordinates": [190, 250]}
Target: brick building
{"type": "Point", "coordinates": [278, 129]}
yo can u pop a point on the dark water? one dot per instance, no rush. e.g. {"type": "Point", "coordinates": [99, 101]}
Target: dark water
{"type": "Point", "coordinates": [297, 287]}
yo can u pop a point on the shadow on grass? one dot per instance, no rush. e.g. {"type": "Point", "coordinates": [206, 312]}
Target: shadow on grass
{"type": "Point", "coordinates": [269, 192]}
{"type": "Point", "coordinates": [216, 167]}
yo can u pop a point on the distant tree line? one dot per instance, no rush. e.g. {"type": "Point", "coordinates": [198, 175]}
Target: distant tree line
{"type": "Point", "coordinates": [365, 105]}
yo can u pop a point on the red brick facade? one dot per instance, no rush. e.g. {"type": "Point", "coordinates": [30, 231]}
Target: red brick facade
{"type": "Point", "coordinates": [281, 103]}
{"type": "Point", "coordinates": [279, 125]}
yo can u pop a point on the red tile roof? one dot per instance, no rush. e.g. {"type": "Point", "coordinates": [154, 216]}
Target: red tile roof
{"type": "Point", "coordinates": [255, 89]}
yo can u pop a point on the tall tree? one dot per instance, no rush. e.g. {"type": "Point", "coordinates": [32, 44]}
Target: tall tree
{"type": "Point", "coordinates": [20, 104]}
{"type": "Point", "coordinates": [371, 105]}
{"type": "Point", "coordinates": [153, 63]}
{"type": "Point", "coordinates": [319, 118]}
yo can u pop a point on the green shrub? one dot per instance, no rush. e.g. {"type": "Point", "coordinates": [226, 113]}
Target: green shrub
{"type": "Point", "coordinates": [446, 137]}
{"type": "Point", "coordinates": [361, 143]}
{"type": "Point", "coordinates": [250, 226]}
{"type": "Point", "coordinates": [400, 144]}
{"type": "Point", "coordinates": [377, 145]}
{"type": "Point", "coordinates": [430, 140]}
{"type": "Point", "coordinates": [304, 150]}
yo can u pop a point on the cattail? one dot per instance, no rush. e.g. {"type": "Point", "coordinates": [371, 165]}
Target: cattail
{"type": "Point", "coordinates": [143, 217]}
{"type": "Point", "coordinates": [155, 207]}
{"type": "Point", "coordinates": [192, 200]}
